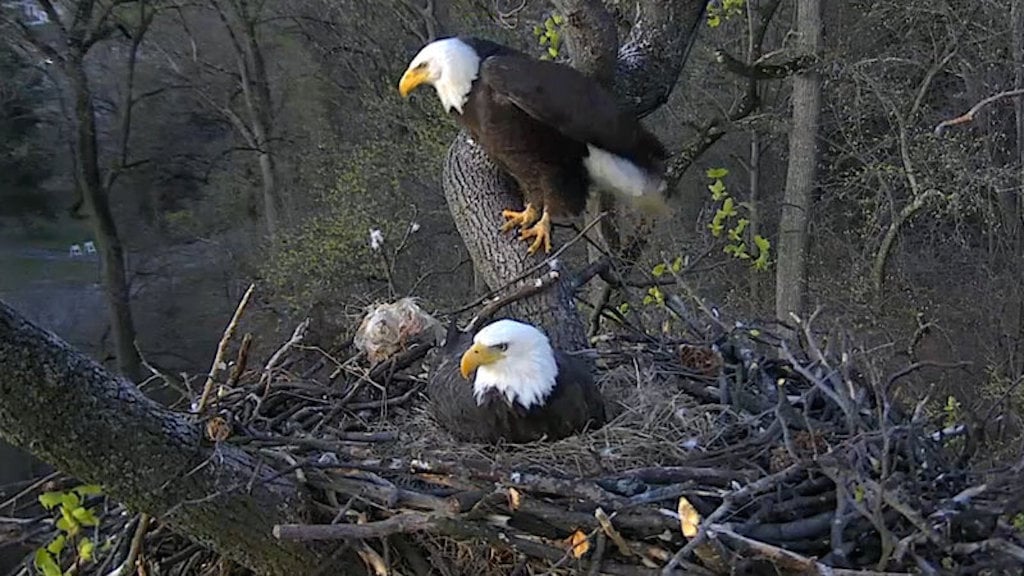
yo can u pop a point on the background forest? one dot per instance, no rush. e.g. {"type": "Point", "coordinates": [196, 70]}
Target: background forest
{"type": "Point", "coordinates": [242, 141]}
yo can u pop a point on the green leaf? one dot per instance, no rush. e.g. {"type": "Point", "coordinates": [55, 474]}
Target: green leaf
{"type": "Point", "coordinates": [537, 30]}
{"type": "Point", "coordinates": [659, 270]}
{"type": "Point", "coordinates": [67, 522]}
{"type": "Point", "coordinates": [57, 546]}
{"type": "Point", "coordinates": [728, 207]}
{"type": "Point", "coordinates": [677, 264]}
{"type": "Point", "coordinates": [762, 244]}
{"type": "Point", "coordinates": [552, 51]}
{"type": "Point", "coordinates": [70, 500]}
{"type": "Point", "coordinates": [761, 264]}
{"type": "Point", "coordinates": [549, 24]}
{"type": "Point", "coordinates": [717, 173]}
{"type": "Point", "coordinates": [624, 308]}
{"type": "Point", "coordinates": [717, 190]}
{"type": "Point", "coordinates": [858, 493]}
{"type": "Point", "coordinates": [50, 499]}
{"type": "Point", "coordinates": [716, 228]}
{"type": "Point", "coordinates": [754, 333]}
{"type": "Point", "coordinates": [88, 490]}
{"type": "Point", "coordinates": [559, 20]}
{"type": "Point", "coordinates": [544, 40]}
{"type": "Point", "coordinates": [86, 547]}
{"type": "Point", "coordinates": [648, 300]}
{"type": "Point", "coordinates": [714, 21]}
{"type": "Point", "coordinates": [45, 563]}
{"type": "Point", "coordinates": [85, 517]}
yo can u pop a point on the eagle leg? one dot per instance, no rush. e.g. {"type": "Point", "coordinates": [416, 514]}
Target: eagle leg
{"type": "Point", "coordinates": [522, 219]}
{"type": "Point", "coordinates": [540, 232]}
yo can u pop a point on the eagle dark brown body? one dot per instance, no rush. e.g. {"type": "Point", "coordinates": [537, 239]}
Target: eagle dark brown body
{"type": "Point", "coordinates": [575, 404]}
{"type": "Point", "coordinates": [534, 118]}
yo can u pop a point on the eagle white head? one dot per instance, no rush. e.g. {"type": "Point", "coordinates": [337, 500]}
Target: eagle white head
{"type": "Point", "coordinates": [513, 358]}
{"type": "Point", "coordinates": [449, 65]}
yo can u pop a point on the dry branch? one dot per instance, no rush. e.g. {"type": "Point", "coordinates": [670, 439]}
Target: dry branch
{"type": "Point", "coordinates": [222, 349]}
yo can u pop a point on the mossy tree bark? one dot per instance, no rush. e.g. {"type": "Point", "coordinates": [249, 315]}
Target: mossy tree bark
{"type": "Point", "coordinates": [643, 71]}
{"type": "Point", "coordinates": [69, 411]}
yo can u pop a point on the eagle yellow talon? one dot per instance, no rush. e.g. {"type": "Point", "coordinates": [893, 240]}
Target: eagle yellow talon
{"type": "Point", "coordinates": [541, 233]}
{"type": "Point", "coordinates": [522, 219]}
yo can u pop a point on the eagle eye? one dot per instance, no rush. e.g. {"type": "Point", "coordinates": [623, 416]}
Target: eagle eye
{"type": "Point", "coordinates": [501, 347]}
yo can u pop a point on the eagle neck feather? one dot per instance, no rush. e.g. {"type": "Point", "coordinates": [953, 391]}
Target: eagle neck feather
{"type": "Point", "coordinates": [528, 381]}
{"type": "Point", "coordinates": [461, 66]}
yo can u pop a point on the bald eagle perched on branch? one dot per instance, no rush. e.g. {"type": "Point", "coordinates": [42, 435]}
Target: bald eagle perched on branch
{"type": "Point", "coordinates": [508, 383]}
{"type": "Point", "coordinates": [553, 129]}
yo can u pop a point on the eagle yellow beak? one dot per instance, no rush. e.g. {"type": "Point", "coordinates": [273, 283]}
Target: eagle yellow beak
{"type": "Point", "coordinates": [411, 80]}
{"type": "Point", "coordinates": [478, 355]}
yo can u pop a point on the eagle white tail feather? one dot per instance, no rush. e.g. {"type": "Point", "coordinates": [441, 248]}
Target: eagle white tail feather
{"type": "Point", "coordinates": [627, 180]}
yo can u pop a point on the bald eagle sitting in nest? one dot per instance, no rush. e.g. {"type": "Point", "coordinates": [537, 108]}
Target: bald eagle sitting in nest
{"type": "Point", "coordinates": [557, 132]}
{"type": "Point", "coordinates": [508, 383]}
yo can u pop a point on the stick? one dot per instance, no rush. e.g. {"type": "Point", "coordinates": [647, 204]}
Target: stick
{"type": "Point", "coordinates": [405, 523]}
{"type": "Point", "coordinates": [297, 336]}
{"type": "Point", "coordinates": [136, 548]}
{"type": "Point", "coordinates": [969, 115]}
{"type": "Point", "coordinates": [524, 291]}
{"type": "Point", "coordinates": [240, 361]}
{"type": "Point", "coordinates": [787, 560]}
{"type": "Point", "coordinates": [748, 491]}
{"type": "Point", "coordinates": [222, 347]}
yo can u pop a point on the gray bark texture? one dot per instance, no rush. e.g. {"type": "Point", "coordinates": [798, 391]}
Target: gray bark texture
{"type": "Point", "coordinates": [791, 266]}
{"type": "Point", "coordinates": [71, 412]}
{"type": "Point", "coordinates": [643, 71]}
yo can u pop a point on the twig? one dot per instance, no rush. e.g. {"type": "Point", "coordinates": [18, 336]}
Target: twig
{"type": "Point", "coordinates": [533, 270]}
{"type": "Point", "coordinates": [222, 347]}
{"type": "Point", "coordinates": [524, 291]}
{"type": "Point", "coordinates": [730, 500]}
{"type": "Point", "coordinates": [29, 489]}
{"type": "Point", "coordinates": [786, 560]}
{"type": "Point", "coordinates": [128, 567]}
{"type": "Point", "coordinates": [405, 523]}
{"type": "Point", "coordinates": [969, 115]}
{"type": "Point", "coordinates": [297, 336]}
{"type": "Point", "coordinates": [240, 361]}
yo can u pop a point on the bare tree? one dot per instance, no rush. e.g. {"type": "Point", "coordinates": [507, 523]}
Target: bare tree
{"type": "Point", "coordinates": [71, 35]}
{"type": "Point", "coordinates": [643, 71]}
{"type": "Point", "coordinates": [248, 105]}
{"type": "Point", "coordinates": [791, 269]}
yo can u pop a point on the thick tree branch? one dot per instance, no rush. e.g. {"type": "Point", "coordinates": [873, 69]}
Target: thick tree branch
{"type": "Point", "coordinates": [72, 413]}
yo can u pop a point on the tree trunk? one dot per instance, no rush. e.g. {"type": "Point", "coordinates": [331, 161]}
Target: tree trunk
{"type": "Point", "coordinates": [791, 267]}
{"type": "Point", "coordinates": [499, 259]}
{"type": "Point", "coordinates": [97, 204]}
{"type": "Point", "coordinates": [755, 214]}
{"type": "Point", "coordinates": [256, 88]}
{"type": "Point", "coordinates": [647, 67]}
{"type": "Point", "coordinates": [1017, 227]}
{"type": "Point", "coordinates": [72, 413]}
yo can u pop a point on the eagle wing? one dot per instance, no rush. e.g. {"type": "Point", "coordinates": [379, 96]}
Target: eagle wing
{"type": "Point", "coordinates": [562, 98]}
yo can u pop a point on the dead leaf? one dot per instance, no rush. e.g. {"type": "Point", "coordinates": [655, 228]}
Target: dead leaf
{"type": "Point", "coordinates": [515, 499]}
{"type": "Point", "coordinates": [689, 518]}
{"type": "Point", "coordinates": [218, 429]}
{"type": "Point", "coordinates": [578, 544]}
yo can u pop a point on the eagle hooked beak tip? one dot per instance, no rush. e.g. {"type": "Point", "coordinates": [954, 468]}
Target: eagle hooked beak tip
{"type": "Point", "coordinates": [411, 80]}
{"type": "Point", "coordinates": [478, 355]}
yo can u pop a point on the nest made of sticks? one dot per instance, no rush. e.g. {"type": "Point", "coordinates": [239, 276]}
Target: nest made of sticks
{"type": "Point", "coordinates": [735, 451]}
